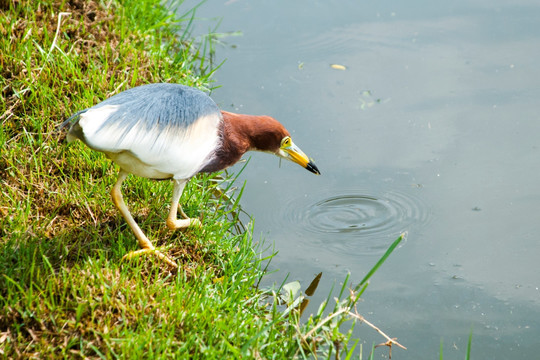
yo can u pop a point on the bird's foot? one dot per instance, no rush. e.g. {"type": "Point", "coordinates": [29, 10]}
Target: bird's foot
{"type": "Point", "coordinates": [152, 251]}
{"type": "Point", "coordinates": [183, 223]}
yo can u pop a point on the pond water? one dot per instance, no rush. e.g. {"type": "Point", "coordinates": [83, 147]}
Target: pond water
{"type": "Point", "coordinates": [431, 125]}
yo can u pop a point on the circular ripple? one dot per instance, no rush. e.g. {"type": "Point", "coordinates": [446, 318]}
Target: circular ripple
{"type": "Point", "coordinates": [354, 222]}
{"type": "Point", "coordinates": [349, 214]}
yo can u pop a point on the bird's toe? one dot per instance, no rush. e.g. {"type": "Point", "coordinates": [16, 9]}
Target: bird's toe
{"type": "Point", "coordinates": [183, 223]}
{"type": "Point", "coordinates": [152, 251]}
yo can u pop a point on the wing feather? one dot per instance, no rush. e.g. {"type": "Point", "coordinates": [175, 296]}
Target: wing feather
{"type": "Point", "coordinates": [170, 128]}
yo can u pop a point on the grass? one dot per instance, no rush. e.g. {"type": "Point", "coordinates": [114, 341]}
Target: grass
{"type": "Point", "coordinates": [64, 290]}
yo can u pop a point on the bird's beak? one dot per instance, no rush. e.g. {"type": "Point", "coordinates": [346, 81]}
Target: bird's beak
{"type": "Point", "coordinates": [292, 152]}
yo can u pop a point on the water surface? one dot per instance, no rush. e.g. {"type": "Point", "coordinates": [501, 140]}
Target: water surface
{"type": "Point", "coordinates": [433, 128]}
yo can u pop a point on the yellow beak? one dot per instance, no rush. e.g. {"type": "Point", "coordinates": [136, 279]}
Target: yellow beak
{"type": "Point", "coordinates": [293, 153]}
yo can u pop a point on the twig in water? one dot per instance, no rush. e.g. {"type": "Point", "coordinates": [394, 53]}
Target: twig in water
{"type": "Point", "coordinates": [389, 340]}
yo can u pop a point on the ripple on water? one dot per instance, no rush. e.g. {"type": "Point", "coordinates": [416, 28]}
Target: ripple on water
{"type": "Point", "coordinates": [356, 223]}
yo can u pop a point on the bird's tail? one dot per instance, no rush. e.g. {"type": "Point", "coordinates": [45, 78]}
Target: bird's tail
{"type": "Point", "coordinates": [70, 120]}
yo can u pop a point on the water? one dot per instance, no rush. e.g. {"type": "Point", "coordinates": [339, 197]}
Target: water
{"type": "Point", "coordinates": [351, 221]}
{"type": "Point", "coordinates": [433, 128]}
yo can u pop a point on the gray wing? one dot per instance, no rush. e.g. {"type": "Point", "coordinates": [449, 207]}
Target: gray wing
{"type": "Point", "coordinates": [159, 105]}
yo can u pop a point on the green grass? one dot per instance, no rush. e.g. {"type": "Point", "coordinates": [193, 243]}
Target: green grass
{"type": "Point", "coordinates": [64, 289]}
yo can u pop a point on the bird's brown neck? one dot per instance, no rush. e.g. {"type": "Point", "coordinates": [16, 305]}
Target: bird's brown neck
{"type": "Point", "coordinates": [241, 133]}
{"type": "Point", "coordinates": [252, 132]}
{"type": "Point", "coordinates": [237, 130]}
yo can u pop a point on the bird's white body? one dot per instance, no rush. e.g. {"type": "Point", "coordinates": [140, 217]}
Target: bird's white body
{"type": "Point", "coordinates": [170, 153]}
{"type": "Point", "coordinates": [174, 144]}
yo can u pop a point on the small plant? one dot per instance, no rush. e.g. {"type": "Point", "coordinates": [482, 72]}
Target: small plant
{"type": "Point", "coordinates": [321, 335]}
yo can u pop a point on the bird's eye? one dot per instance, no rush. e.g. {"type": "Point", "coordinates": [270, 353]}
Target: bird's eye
{"type": "Point", "coordinates": [286, 142]}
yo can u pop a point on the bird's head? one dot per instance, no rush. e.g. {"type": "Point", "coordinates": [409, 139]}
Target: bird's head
{"type": "Point", "coordinates": [272, 136]}
{"type": "Point", "coordinates": [264, 133]}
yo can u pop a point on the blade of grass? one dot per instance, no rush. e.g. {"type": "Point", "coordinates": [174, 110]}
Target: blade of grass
{"type": "Point", "coordinates": [469, 345]}
{"type": "Point", "coordinates": [381, 261]}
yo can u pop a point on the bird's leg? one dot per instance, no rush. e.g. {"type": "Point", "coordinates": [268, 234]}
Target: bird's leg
{"type": "Point", "coordinates": [172, 221]}
{"type": "Point", "coordinates": [144, 243]}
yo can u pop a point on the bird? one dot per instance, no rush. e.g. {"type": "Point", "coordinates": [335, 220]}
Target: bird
{"type": "Point", "coordinates": [173, 131]}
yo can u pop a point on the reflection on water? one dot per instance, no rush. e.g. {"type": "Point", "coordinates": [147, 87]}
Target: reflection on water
{"type": "Point", "coordinates": [353, 221]}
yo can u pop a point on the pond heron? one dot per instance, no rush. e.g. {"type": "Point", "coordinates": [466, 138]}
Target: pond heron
{"type": "Point", "coordinates": [172, 131]}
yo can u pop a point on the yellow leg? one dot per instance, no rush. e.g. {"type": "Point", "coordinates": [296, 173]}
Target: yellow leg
{"type": "Point", "coordinates": [144, 243]}
{"type": "Point", "coordinates": [172, 222]}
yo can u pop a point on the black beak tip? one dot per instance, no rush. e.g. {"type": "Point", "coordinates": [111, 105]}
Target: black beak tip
{"type": "Point", "coordinates": [313, 168]}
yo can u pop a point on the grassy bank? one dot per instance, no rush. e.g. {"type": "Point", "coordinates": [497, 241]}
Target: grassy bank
{"type": "Point", "coordinates": [64, 289]}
